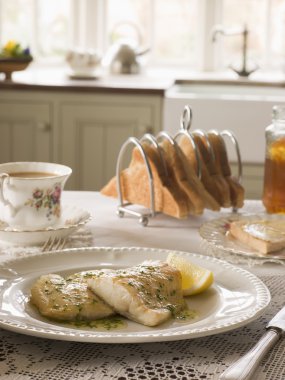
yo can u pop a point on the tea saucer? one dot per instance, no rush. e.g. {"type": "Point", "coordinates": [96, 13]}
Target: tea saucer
{"type": "Point", "coordinates": [71, 219]}
{"type": "Point", "coordinates": [83, 76]}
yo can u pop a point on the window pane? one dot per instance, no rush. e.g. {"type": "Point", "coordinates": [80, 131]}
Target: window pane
{"type": "Point", "coordinates": [169, 27]}
{"type": "Point", "coordinates": [53, 27]}
{"type": "Point", "coordinates": [175, 31]}
{"type": "Point", "coordinates": [237, 14]}
{"type": "Point", "coordinates": [16, 21]}
{"type": "Point", "coordinates": [277, 33]}
{"type": "Point", "coordinates": [130, 20]}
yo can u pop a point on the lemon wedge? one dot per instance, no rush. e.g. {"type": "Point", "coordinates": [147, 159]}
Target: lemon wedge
{"type": "Point", "coordinates": [277, 150]}
{"type": "Point", "coordinates": [195, 279]}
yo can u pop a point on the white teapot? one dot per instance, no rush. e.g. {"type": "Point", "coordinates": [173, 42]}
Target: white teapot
{"type": "Point", "coordinates": [125, 56]}
{"type": "Point", "coordinates": [83, 63]}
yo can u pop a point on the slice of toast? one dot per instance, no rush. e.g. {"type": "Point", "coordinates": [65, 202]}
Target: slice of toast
{"type": "Point", "coordinates": [177, 172]}
{"type": "Point", "coordinates": [224, 169]}
{"type": "Point", "coordinates": [213, 182]}
{"type": "Point", "coordinates": [236, 192]}
{"type": "Point", "coordinates": [264, 236]}
{"type": "Point", "coordinates": [196, 184]}
{"type": "Point", "coordinates": [136, 189]}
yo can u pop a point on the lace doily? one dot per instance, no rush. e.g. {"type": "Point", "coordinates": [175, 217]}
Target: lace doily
{"type": "Point", "coordinates": [24, 357]}
{"type": "Point", "coordinates": [81, 238]}
{"type": "Point", "coordinates": [210, 250]}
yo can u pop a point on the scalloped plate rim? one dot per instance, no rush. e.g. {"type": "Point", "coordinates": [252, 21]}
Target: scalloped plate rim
{"type": "Point", "coordinates": [35, 327]}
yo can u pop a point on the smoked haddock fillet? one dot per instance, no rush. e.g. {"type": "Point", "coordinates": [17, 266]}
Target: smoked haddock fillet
{"type": "Point", "coordinates": [149, 293]}
{"type": "Point", "coordinates": [68, 299]}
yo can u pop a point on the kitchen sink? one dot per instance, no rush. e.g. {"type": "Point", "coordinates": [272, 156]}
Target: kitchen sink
{"type": "Point", "coordinates": [221, 89]}
{"type": "Point", "coordinates": [243, 107]}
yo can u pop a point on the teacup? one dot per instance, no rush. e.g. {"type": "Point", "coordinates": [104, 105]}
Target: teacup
{"type": "Point", "coordinates": [30, 194]}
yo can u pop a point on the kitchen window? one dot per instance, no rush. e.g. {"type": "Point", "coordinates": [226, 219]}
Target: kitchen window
{"type": "Point", "coordinates": [42, 25]}
{"type": "Point", "coordinates": [178, 32]}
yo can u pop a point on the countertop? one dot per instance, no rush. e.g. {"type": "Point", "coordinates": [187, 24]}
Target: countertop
{"type": "Point", "coordinates": [150, 81]}
{"type": "Point", "coordinates": [60, 80]}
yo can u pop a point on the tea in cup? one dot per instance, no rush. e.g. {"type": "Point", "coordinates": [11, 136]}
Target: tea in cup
{"type": "Point", "coordinates": [30, 194]}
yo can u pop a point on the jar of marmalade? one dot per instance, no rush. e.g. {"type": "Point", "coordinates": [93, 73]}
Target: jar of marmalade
{"type": "Point", "coordinates": [274, 170]}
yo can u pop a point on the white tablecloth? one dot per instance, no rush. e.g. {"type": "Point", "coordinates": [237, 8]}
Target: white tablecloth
{"type": "Point", "coordinates": [107, 229]}
{"type": "Point", "coordinates": [25, 357]}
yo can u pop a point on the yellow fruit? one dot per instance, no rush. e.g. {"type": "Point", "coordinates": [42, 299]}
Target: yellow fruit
{"type": "Point", "coordinates": [277, 150]}
{"type": "Point", "coordinates": [195, 279]}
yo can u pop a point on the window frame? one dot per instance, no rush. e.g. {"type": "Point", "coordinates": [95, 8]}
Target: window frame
{"type": "Point", "coordinates": [210, 13]}
{"type": "Point", "coordinates": [90, 25]}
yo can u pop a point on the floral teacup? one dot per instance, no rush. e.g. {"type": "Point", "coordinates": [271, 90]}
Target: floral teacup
{"type": "Point", "coordinates": [30, 194]}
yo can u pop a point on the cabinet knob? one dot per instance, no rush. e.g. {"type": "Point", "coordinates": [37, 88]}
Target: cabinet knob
{"type": "Point", "coordinates": [43, 126]}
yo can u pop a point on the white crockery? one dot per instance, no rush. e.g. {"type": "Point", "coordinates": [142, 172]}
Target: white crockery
{"type": "Point", "coordinates": [236, 298]}
{"type": "Point", "coordinates": [83, 63]}
{"type": "Point", "coordinates": [31, 203]}
{"type": "Point", "coordinates": [72, 218]}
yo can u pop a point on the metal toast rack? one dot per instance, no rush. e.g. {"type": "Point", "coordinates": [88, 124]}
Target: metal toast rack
{"type": "Point", "coordinates": [185, 125]}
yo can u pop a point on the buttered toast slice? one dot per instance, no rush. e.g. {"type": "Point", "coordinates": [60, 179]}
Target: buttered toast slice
{"type": "Point", "coordinates": [169, 198]}
{"type": "Point", "coordinates": [264, 236]}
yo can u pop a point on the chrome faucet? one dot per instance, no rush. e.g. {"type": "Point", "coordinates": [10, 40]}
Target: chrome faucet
{"type": "Point", "coordinates": [243, 72]}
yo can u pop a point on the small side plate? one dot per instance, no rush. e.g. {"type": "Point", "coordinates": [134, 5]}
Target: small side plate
{"type": "Point", "coordinates": [216, 233]}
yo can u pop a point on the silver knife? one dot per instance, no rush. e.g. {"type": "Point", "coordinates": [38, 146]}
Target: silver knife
{"type": "Point", "coordinates": [244, 368]}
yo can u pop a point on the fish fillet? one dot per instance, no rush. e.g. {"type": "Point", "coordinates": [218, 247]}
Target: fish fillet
{"type": "Point", "coordinates": [68, 299]}
{"type": "Point", "coordinates": [149, 293]}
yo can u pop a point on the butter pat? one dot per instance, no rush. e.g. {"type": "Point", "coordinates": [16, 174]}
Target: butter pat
{"type": "Point", "coordinates": [264, 236]}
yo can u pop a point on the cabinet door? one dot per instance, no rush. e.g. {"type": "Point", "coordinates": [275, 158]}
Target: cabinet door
{"type": "Point", "coordinates": [91, 136]}
{"type": "Point", "coordinates": [25, 133]}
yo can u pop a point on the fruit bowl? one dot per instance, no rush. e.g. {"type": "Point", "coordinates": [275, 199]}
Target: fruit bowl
{"type": "Point", "coordinates": [9, 65]}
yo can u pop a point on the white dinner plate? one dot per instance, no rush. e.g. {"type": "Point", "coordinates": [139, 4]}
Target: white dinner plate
{"type": "Point", "coordinates": [216, 233]}
{"type": "Point", "coordinates": [236, 298]}
{"type": "Point", "coordinates": [71, 219]}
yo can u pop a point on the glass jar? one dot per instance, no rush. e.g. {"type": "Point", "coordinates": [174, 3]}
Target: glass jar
{"type": "Point", "coordinates": [274, 170]}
